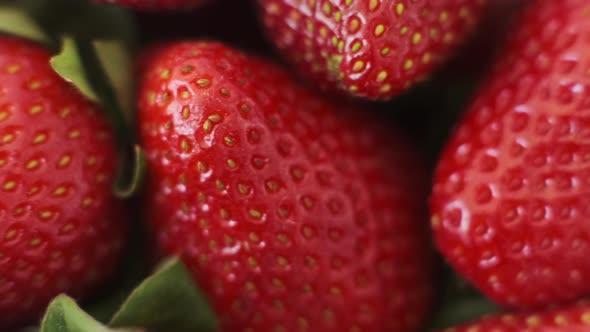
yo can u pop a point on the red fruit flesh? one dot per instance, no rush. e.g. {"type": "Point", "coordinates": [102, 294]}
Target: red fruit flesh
{"type": "Point", "coordinates": [291, 214]}
{"type": "Point", "coordinates": [573, 318]}
{"type": "Point", "coordinates": [372, 49]}
{"type": "Point", "coordinates": [60, 227]}
{"type": "Point", "coordinates": [157, 4]}
{"type": "Point", "coordinates": [511, 199]}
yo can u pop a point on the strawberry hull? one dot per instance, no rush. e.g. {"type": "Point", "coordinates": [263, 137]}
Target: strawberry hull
{"type": "Point", "coordinates": [293, 212]}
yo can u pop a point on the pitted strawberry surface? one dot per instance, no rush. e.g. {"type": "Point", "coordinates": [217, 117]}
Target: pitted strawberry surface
{"type": "Point", "coordinates": [511, 197]}
{"type": "Point", "coordinates": [293, 212]}
{"type": "Point", "coordinates": [371, 48]}
{"type": "Point", "coordinates": [61, 229]}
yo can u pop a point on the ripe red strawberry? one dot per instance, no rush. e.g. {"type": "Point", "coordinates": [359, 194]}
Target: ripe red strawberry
{"type": "Point", "coordinates": [60, 228]}
{"type": "Point", "coordinates": [573, 318]}
{"type": "Point", "coordinates": [373, 49]}
{"type": "Point", "coordinates": [511, 199]}
{"type": "Point", "coordinates": [291, 214]}
{"type": "Point", "coordinates": [157, 4]}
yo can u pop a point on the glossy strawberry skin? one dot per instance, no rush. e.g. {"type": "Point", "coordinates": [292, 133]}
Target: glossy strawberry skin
{"type": "Point", "coordinates": [60, 228]}
{"type": "Point", "coordinates": [151, 5]}
{"type": "Point", "coordinates": [290, 216]}
{"type": "Point", "coordinates": [511, 197]}
{"type": "Point", "coordinates": [572, 318]}
{"type": "Point", "coordinates": [371, 49]}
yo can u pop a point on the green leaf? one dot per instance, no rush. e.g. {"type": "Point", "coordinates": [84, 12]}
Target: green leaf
{"type": "Point", "coordinates": [96, 55]}
{"type": "Point", "coordinates": [84, 19]}
{"type": "Point", "coordinates": [64, 315]}
{"type": "Point", "coordinates": [460, 302]}
{"type": "Point", "coordinates": [69, 65]}
{"type": "Point", "coordinates": [115, 60]}
{"type": "Point", "coordinates": [101, 85]}
{"type": "Point", "coordinates": [127, 188]}
{"type": "Point", "coordinates": [462, 311]}
{"type": "Point", "coordinates": [167, 301]}
{"type": "Point", "coordinates": [100, 71]}
{"type": "Point", "coordinates": [17, 22]}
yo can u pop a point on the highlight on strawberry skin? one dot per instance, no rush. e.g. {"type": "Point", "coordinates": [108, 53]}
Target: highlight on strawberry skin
{"type": "Point", "coordinates": [291, 210]}
{"type": "Point", "coordinates": [61, 227]}
{"type": "Point", "coordinates": [510, 196]}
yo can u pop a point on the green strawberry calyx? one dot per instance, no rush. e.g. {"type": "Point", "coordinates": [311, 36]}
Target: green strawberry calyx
{"type": "Point", "coordinates": [16, 22]}
{"type": "Point", "coordinates": [165, 301]}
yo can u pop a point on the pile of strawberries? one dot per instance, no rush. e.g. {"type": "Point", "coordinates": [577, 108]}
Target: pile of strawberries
{"type": "Point", "coordinates": [299, 194]}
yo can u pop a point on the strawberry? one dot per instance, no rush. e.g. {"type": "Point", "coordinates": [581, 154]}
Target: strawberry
{"type": "Point", "coordinates": [573, 318]}
{"type": "Point", "coordinates": [153, 5]}
{"type": "Point", "coordinates": [373, 49]}
{"type": "Point", "coordinates": [292, 212]}
{"type": "Point", "coordinates": [60, 227]}
{"type": "Point", "coordinates": [511, 198]}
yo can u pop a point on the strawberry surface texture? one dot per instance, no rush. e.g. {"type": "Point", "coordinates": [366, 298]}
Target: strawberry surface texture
{"type": "Point", "coordinates": [511, 199]}
{"type": "Point", "coordinates": [292, 211]}
{"type": "Point", "coordinates": [373, 49]}
{"type": "Point", "coordinates": [572, 318]}
{"type": "Point", "coordinates": [61, 230]}
{"type": "Point", "coordinates": [152, 5]}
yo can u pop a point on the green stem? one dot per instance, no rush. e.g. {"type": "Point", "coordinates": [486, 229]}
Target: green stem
{"type": "Point", "coordinates": [101, 84]}
{"type": "Point", "coordinates": [132, 159]}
